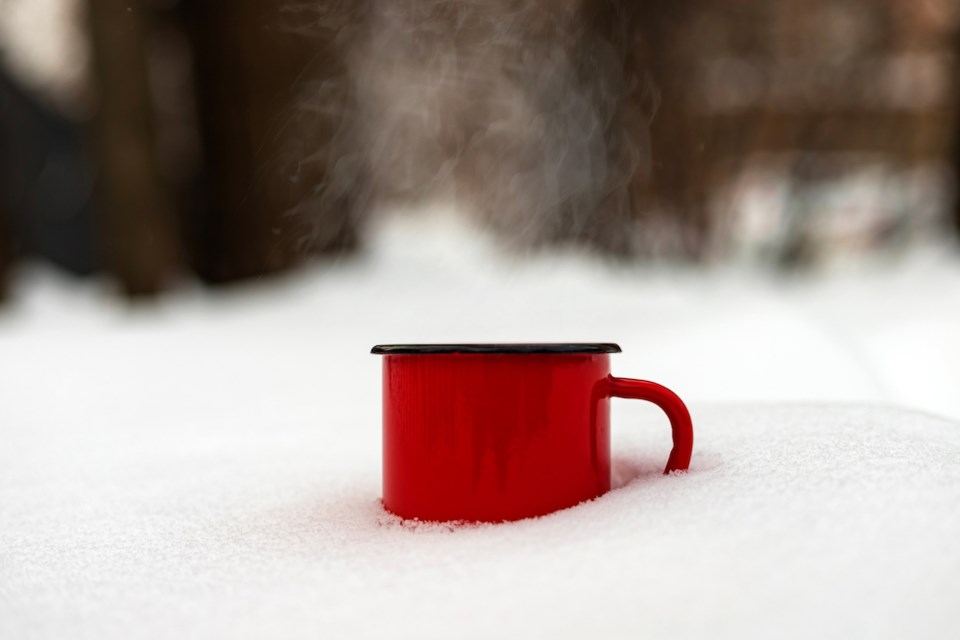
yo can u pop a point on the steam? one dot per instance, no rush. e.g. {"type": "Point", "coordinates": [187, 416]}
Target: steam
{"type": "Point", "coordinates": [532, 115]}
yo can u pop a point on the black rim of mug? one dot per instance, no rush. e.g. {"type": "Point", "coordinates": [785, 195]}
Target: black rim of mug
{"type": "Point", "coordinates": [495, 348]}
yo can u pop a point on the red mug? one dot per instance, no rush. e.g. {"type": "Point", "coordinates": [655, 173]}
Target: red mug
{"type": "Point", "coordinates": [495, 432]}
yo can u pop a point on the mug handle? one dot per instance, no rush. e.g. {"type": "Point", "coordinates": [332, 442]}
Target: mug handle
{"type": "Point", "coordinates": [672, 405]}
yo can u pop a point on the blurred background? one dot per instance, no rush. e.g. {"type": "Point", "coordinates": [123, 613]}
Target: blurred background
{"type": "Point", "coordinates": [756, 198]}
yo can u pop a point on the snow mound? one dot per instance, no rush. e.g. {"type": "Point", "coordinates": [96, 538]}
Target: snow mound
{"type": "Point", "coordinates": [793, 521]}
{"type": "Point", "coordinates": [209, 465]}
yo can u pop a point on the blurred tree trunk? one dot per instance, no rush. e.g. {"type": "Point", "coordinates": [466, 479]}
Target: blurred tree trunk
{"type": "Point", "coordinates": [681, 155]}
{"type": "Point", "coordinates": [266, 116]}
{"type": "Point", "coordinates": [6, 235]}
{"type": "Point", "coordinates": [956, 133]}
{"type": "Point", "coordinates": [6, 251]}
{"type": "Point", "coordinates": [137, 223]}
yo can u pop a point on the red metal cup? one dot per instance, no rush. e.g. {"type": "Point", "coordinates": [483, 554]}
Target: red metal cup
{"type": "Point", "coordinates": [488, 432]}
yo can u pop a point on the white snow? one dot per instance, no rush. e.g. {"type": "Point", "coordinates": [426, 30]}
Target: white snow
{"type": "Point", "coordinates": [208, 465]}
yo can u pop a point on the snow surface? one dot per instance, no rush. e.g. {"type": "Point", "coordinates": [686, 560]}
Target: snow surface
{"type": "Point", "coordinates": [208, 465]}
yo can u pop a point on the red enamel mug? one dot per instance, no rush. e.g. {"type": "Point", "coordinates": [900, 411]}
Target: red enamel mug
{"type": "Point", "coordinates": [494, 432]}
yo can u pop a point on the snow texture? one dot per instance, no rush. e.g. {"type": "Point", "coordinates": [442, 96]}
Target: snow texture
{"type": "Point", "coordinates": [209, 466]}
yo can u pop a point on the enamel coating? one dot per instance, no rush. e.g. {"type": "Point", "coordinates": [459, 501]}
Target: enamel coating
{"type": "Point", "coordinates": [494, 437]}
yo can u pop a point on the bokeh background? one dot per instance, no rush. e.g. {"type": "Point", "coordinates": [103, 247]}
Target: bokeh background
{"type": "Point", "coordinates": [755, 198]}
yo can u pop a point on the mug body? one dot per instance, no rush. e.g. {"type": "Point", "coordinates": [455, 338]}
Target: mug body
{"type": "Point", "coordinates": [494, 435]}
